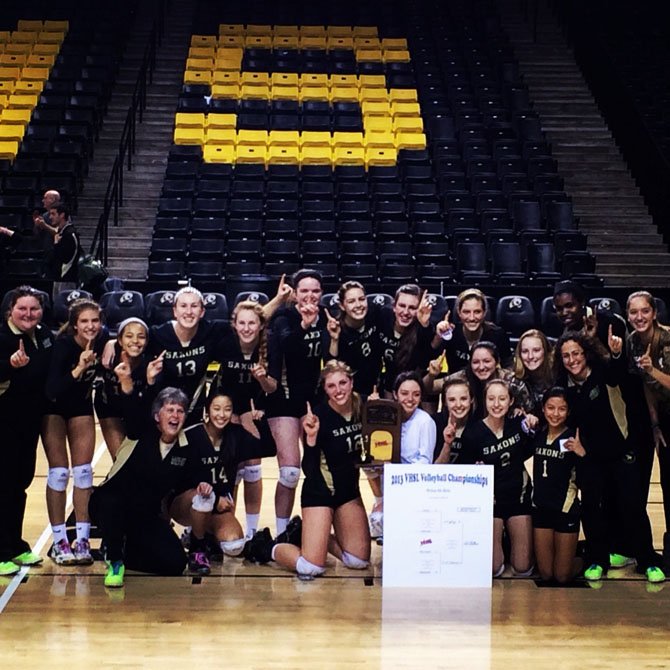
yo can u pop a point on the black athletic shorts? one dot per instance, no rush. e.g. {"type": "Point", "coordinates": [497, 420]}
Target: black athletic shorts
{"type": "Point", "coordinates": [561, 522]}
{"type": "Point", "coordinates": [294, 406]}
{"type": "Point", "coordinates": [317, 494]}
{"type": "Point", "coordinates": [505, 511]}
{"type": "Point", "coordinates": [69, 408]}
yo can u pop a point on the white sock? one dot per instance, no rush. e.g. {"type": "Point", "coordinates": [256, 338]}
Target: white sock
{"type": "Point", "coordinates": [252, 523]}
{"type": "Point", "coordinates": [59, 532]}
{"type": "Point", "coordinates": [282, 522]}
{"type": "Point", "coordinates": [83, 530]}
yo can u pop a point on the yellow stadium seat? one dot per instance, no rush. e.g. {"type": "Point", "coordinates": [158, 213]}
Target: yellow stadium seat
{"type": "Point", "coordinates": [342, 139]}
{"type": "Point", "coordinates": [314, 79]}
{"type": "Point", "coordinates": [11, 132]}
{"type": "Point", "coordinates": [313, 42]}
{"type": "Point", "coordinates": [376, 108]}
{"type": "Point", "coordinates": [339, 31]}
{"type": "Point", "coordinates": [258, 42]}
{"type": "Point", "coordinates": [19, 48]}
{"type": "Point", "coordinates": [344, 93]}
{"type": "Point", "coordinates": [4, 100]}
{"type": "Point", "coordinates": [189, 120]}
{"type": "Point", "coordinates": [255, 91]}
{"type": "Point", "coordinates": [13, 60]}
{"type": "Point", "coordinates": [344, 80]}
{"type": "Point", "coordinates": [227, 65]}
{"type": "Point", "coordinates": [7, 87]}
{"type": "Point", "coordinates": [231, 29]}
{"type": "Point", "coordinates": [220, 121]}
{"type": "Point", "coordinates": [46, 49]}
{"type": "Point", "coordinates": [284, 92]}
{"type": "Point", "coordinates": [41, 60]}
{"type": "Point", "coordinates": [285, 41]}
{"type": "Point", "coordinates": [252, 137]}
{"type": "Point", "coordinates": [410, 141]}
{"type": "Point", "coordinates": [28, 86]}
{"type": "Point", "coordinates": [200, 64]}
{"type": "Point", "coordinates": [226, 77]}
{"type": "Point", "coordinates": [189, 136]}
{"type": "Point", "coordinates": [231, 41]}
{"type": "Point", "coordinates": [259, 29]}
{"type": "Point", "coordinates": [198, 77]}
{"type": "Point", "coordinates": [284, 138]}
{"type": "Point", "coordinates": [378, 124]}
{"type": "Point", "coordinates": [372, 81]}
{"type": "Point", "coordinates": [29, 25]}
{"type": "Point", "coordinates": [286, 30]}
{"type": "Point", "coordinates": [403, 95]}
{"type": "Point", "coordinates": [408, 124]}
{"type": "Point", "coordinates": [283, 154]}
{"type": "Point", "coordinates": [9, 73]}
{"type": "Point", "coordinates": [8, 150]}
{"type": "Point", "coordinates": [333, 42]}
{"type": "Point", "coordinates": [349, 156]}
{"type": "Point", "coordinates": [50, 37]}
{"type": "Point", "coordinates": [255, 78]}
{"type": "Point", "coordinates": [367, 42]}
{"type": "Point", "coordinates": [394, 43]}
{"type": "Point", "coordinates": [230, 52]}
{"type": "Point", "coordinates": [221, 136]}
{"type": "Point", "coordinates": [23, 101]}
{"type": "Point", "coordinates": [251, 153]}
{"type": "Point", "coordinates": [313, 31]}
{"type": "Point", "coordinates": [401, 108]}
{"type": "Point", "coordinates": [368, 94]}
{"type": "Point", "coordinates": [203, 40]}
{"type": "Point", "coordinates": [365, 31]}
{"type": "Point", "coordinates": [202, 52]}
{"type": "Point", "coordinates": [15, 116]}
{"type": "Point", "coordinates": [368, 55]}
{"type": "Point", "coordinates": [395, 56]}
{"type": "Point", "coordinates": [379, 140]}
{"type": "Point", "coordinates": [316, 155]}
{"type": "Point", "coordinates": [315, 138]}
{"type": "Point", "coordinates": [24, 36]}
{"type": "Point", "coordinates": [35, 73]}
{"type": "Point", "coordinates": [285, 79]}
{"type": "Point", "coordinates": [380, 156]}
{"type": "Point", "coordinates": [226, 91]}
{"type": "Point", "coordinates": [314, 93]}
{"type": "Point", "coordinates": [56, 26]}
{"type": "Point", "coordinates": [219, 153]}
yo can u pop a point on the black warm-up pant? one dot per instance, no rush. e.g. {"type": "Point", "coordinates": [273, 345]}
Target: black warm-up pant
{"type": "Point", "coordinates": [135, 534]}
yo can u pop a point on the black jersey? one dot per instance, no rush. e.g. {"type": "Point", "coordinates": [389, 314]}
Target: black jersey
{"type": "Point", "coordinates": [441, 421]}
{"type": "Point", "coordinates": [458, 348]}
{"type": "Point", "coordinates": [61, 386]}
{"type": "Point", "coordinates": [22, 389]}
{"type": "Point", "coordinates": [300, 351]}
{"type": "Point", "coordinates": [185, 365]}
{"type": "Point", "coordinates": [234, 377]}
{"type": "Point", "coordinates": [361, 349]}
{"type": "Point", "coordinates": [554, 474]}
{"type": "Point", "coordinates": [218, 465]}
{"type": "Point", "coordinates": [331, 463]}
{"type": "Point", "coordinates": [507, 454]}
{"type": "Point", "coordinates": [390, 339]}
{"type": "Point", "coordinates": [108, 397]}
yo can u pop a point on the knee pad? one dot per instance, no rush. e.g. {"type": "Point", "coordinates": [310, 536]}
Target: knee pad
{"type": "Point", "coordinates": [82, 476]}
{"type": "Point", "coordinates": [371, 474]}
{"type": "Point", "coordinates": [289, 476]}
{"type": "Point", "coordinates": [500, 570]}
{"type": "Point", "coordinates": [252, 473]}
{"type": "Point", "coordinates": [232, 547]}
{"type": "Point", "coordinates": [525, 573]}
{"type": "Point", "coordinates": [353, 562]}
{"type": "Point", "coordinates": [203, 503]}
{"type": "Point", "coordinates": [304, 568]}
{"type": "Point", "coordinates": [57, 478]}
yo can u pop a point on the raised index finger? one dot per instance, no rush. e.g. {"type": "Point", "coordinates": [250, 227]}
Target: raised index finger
{"type": "Point", "coordinates": [160, 356]}
{"type": "Point", "coordinates": [646, 353]}
{"type": "Point", "coordinates": [609, 331]}
{"type": "Point", "coordinates": [309, 410]}
{"type": "Point", "coordinates": [21, 347]}
{"type": "Point", "coordinates": [251, 403]}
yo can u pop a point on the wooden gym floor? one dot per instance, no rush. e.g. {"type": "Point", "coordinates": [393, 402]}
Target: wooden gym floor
{"type": "Point", "coordinates": [245, 616]}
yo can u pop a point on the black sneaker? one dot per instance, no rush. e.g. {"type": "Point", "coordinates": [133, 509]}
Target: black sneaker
{"type": "Point", "coordinates": [213, 548]}
{"type": "Point", "coordinates": [259, 548]}
{"type": "Point", "coordinates": [198, 563]}
{"type": "Point", "coordinates": [292, 534]}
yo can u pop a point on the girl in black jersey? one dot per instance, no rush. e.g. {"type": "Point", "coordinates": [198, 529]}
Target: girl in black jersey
{"type": "Point", "coordinates": [247, 376]}
{"type": "Point", "coordinates": [330, 495]}
{"type": "Point", "coordinates": [206, 501]}
{"type": "Point", "coordinates": [357, 341]}
{"type": "Point", "coordinates": [505, 443]}
{"type": "Point", "coordinates": [556, 508]}
{"type": "Point", "coordinates": [299, 339]}
{"type": "Point", "coordinates": [25, 354]}
{"type": "Point", "coordinates": [451, 421]}
{"type": "Point", "coordinates": [131, 342]}
{"type": "Point", "coordinates": [608, 476]}
{"type": "Point", "coordinates": [534, 365]}
{"type": "Point", "coordinates": [69, 420]}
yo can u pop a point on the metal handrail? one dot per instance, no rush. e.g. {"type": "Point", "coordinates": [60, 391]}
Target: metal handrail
{"type": "Point", "coordinates": [113, 199]}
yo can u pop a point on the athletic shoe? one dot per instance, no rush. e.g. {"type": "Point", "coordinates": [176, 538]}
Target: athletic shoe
{"type": "Point", "coordinates": [198, 563]}
{"type": "Point", "coordinates": [114, 575]}
{"type": "Point", "coordinates": [292, 534]}
{"type": "Point", "coordinates": [618, 561]}
{"type": "Point", "coordinates": [82, 552]}
{"type": "Point", "coordinates": [213, 548]}
{"type": "Point", "coordinates": [61, 553]}
{"type": "Point", "coordinates": [8, 568]}
{"type": "Point", "coordinates": [593, 573]}
{"type": "Point", "coordinates": [27, 558]}
{"type": "Point", "coordinates": [655, 575]}
{"type": "Point", "coordinates": [259, 548]}
{"type": "Point", "coordinates": [376, 520]}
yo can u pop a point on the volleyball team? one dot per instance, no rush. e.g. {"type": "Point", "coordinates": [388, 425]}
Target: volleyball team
{"type": "Point", "coordinates": [591, 409]}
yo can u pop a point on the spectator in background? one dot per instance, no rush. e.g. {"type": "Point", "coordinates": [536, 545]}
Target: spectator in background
{"type": "Point", "coordinates": [43, 227]}
{"type": "Point", "coordinates": [66, 250]}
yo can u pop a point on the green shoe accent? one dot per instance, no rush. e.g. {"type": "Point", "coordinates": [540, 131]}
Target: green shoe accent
{"type": "Point", "coordinates": [593, 573]}
{"type": "Point", "coordinates": [27, 558]}
{"type": "Point", "coordinates": [620, 561]}
{"type": "Point", "coordinates": [655, 575]}
{"type": "Point", "coordinates": [8, 568]}
{"type": "Point", "coordinates": [115, 573]}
